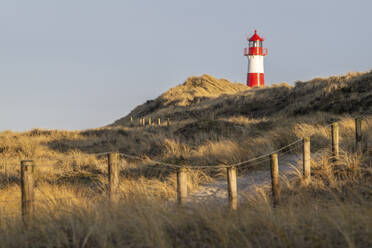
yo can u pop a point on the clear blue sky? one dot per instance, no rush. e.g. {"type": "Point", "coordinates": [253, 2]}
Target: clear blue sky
{"type": "Point", "coordinates": [76, 64]}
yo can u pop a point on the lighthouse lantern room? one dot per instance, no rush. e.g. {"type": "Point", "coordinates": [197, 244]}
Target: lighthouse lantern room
{"type": "Point", "coordinates": [255, 53]}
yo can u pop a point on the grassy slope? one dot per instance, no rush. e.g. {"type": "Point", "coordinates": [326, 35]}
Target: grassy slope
{"type": "Point", "coordinates": [213, 121]}
{"type": "Point", "coordinates": [193, 91]}
{"type": "Point", "coordinates": [351, 93]}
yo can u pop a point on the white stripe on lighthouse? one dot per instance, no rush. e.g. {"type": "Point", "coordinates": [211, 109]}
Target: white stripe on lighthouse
{"type": "Point", "coordinates": [256, 64]}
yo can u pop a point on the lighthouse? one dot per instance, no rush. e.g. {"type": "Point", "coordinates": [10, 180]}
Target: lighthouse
{"type": "Point", "coordinates": [255, 53]}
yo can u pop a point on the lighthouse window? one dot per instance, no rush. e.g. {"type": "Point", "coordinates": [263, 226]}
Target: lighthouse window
{"type": "Point", "coordinates": [255, 44]}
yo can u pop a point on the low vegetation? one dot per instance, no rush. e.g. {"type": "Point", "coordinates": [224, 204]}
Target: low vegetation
{"type": "Point", "coordinates": [211, 122]}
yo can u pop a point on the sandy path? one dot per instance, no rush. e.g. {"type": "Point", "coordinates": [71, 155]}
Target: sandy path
{"type": "Point", "coordinates": [247, 184]}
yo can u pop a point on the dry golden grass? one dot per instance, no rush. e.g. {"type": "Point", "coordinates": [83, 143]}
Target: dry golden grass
{"type": "Point", "coordinates": [334, 210]}
{"type": "Point", "coordinates": [217, 123]}
{"type": "Point", "coordinates": [206, 97]}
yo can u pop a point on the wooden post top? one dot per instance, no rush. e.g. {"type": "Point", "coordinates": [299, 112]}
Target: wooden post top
{"type": "Point", "coordinates": [25, 164]}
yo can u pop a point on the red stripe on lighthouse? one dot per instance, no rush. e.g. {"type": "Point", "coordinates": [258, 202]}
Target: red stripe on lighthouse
{"type": "Point", "coordinates": [255, 79]}
{"type": "Point", "coordinates": [255, 51]}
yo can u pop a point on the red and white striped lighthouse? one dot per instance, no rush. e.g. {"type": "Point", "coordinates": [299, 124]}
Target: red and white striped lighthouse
{"type": "Point", "coordinates": [255, 53]}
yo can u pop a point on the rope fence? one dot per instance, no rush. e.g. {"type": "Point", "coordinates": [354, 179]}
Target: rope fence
{"type": "Point", "coordinates": [113, 165]}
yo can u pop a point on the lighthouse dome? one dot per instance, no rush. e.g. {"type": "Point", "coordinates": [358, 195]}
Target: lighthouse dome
{"type": "Point", "coordinates": [256, 37]}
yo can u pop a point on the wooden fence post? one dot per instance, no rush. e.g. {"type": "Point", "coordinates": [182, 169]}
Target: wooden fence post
{"type": "Point", "coordinates": [306, 159]}
{"type": "Point", "coordinates": [168, 122]}
{"type": "Point", "coordinates": [232, 189]}
{"type": "Point", "coordinates": [335, 141]}
{"type": "Point", "coordinates": [358, 135]}
{"type": "Point", "coordinates": [275, 178]}
{"type": "Point", "coordinates": [113, 175]}
{"type": "Point", "coordinates": [159, 121]}
{"type": "Point", "coordinates": [181, 185]}
{"type": "Point", "coordinates": [27, 189]}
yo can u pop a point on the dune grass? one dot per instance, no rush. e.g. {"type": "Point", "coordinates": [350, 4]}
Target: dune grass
{"type": "Point", "coordinates": [72, 208]}
{"type": "Point", "coordinates": [334, 210]}
{"type": "Point", "coordinates": [225, 126]}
